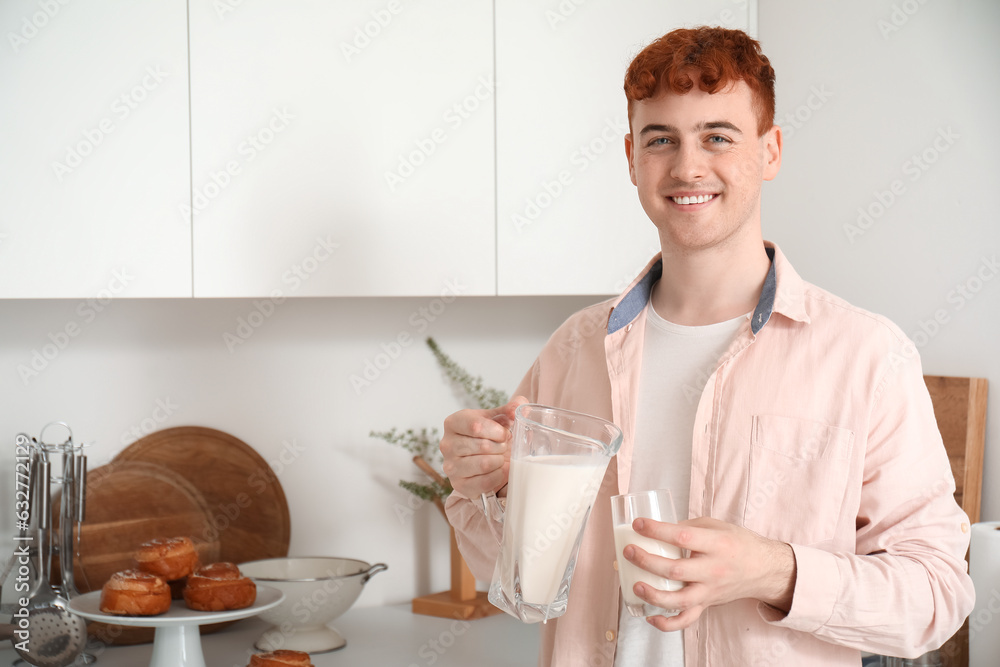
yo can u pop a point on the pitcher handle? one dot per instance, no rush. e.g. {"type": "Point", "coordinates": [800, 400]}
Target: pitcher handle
{"type": "Point", "coordinates": [495, 510]}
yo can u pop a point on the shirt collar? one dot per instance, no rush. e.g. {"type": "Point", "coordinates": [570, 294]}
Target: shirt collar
{"type": "Point", "coordinates": [782, 292]}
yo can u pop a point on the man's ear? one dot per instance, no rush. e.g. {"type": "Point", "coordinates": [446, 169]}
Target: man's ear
{"type": "Point", "coordinates": [629, 156]}
{"type": "Point", "coordinates": [772, 152]}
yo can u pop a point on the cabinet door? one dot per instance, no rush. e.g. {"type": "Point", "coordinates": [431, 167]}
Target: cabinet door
{"type": "Point", "coordinates": [568, 218]}
{"type": "Point", "coordinates": [342, 148]}
{"type": "Point", "coordinates": [94, 130]}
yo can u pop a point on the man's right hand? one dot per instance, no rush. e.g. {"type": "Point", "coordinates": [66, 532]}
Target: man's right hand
{"type": "Point", "coordinates": [476, 448]}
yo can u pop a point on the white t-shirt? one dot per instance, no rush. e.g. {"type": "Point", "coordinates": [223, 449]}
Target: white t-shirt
{"type": "Point", "coordinates": [676, 364]}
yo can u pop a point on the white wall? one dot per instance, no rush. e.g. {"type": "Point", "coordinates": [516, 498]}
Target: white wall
{"type": "Point", "coordinates": [290, 381]}
{"type": "Point", "coordinates": [887, 80]}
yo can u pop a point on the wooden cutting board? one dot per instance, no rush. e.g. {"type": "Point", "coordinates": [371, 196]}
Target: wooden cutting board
{"type": "Point", "coordinates": [132, 502]}
{"type": "Point", "coordinates": [248, 512]}
{"type": "Point", "coordinates": [960, 411]}
{"type": "Point", "coordinates": [187, 481]}
{"type": "Point", "coordinates": [128, 503]}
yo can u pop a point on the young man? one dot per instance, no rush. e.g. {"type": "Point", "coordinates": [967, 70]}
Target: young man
{"type": "Point", "coordinates": [793, 428]}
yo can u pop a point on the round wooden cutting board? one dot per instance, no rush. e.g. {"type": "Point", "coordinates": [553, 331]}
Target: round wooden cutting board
{"type": "Point", "coordinates": [187, 481]}
{"type": "Point", "coordinates": [247, 509]}
{"type": "Point", "coordinates": [128, 503]}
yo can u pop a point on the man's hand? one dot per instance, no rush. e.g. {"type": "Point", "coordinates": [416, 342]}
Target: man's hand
{"type": "Point", "coordinates": [726, 563]}
{"type": "Point", "coordinates": [476, 449]}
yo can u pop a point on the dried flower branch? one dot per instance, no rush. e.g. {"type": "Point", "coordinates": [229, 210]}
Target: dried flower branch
{"type": "Point", "coordinates": [423, 443]}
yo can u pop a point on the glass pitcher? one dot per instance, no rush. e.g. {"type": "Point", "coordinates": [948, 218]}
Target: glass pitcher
{"type": "Point", "coordinates": [557, 464]}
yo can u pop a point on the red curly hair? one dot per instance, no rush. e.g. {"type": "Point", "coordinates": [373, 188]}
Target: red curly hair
{"type": "Point", "coordinates": [720, 56]}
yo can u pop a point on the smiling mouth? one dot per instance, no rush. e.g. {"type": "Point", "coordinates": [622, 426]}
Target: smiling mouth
{"type": "Point", "coordinates": [700, 199]}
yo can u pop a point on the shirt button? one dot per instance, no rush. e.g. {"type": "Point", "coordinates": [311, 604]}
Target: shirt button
{"type": "Point", "coordinates": [614, 564]}
{"type": "Point", "coordinates": [609, 635]}
{"type": "Point", "coordinates": [965, 527]}
{"type": "Point", "coordinates": [628, 328]}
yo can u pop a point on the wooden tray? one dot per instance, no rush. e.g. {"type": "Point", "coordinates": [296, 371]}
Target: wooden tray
{"type": "Point", "coordinates": [247, 506]}
{"type": "Point", "coordinates": [128, 503]}
{"type": "Point", "coordinates": [191, 481]}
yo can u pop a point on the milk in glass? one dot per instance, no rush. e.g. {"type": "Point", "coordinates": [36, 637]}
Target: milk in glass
{"type": "Point", "coordinates": [630, 573]}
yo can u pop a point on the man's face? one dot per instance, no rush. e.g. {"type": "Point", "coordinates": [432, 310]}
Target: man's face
{"type": "Point", "coordinates": [703, 146]}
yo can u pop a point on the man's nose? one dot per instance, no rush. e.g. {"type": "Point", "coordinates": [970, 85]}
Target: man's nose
{"type": "Point", "coordinates": [689, 163]}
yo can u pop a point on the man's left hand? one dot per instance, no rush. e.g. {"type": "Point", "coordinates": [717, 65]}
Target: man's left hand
{"type": "Point", "coordinates": [726, 563]}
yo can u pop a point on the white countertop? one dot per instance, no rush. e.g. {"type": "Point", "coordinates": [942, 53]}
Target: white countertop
{"type": "Point", "coordinates": [376, 637]}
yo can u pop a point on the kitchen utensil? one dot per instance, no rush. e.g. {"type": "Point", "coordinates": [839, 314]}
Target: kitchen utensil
{"type": "Point", "coordinates": [57, 636]}
{"type": "Point", "coordinates": [80, 472]}
{"type": "Point", "coordinates": [247, 506]}
{"type": "Point", "coordinates": [317, 590]}
{"type": "Point", "coordinates": [557, 464]}
{"type": "Point", "coordinates": [67, 517]}
{"type": "Point", "coordinates": [177, 643]}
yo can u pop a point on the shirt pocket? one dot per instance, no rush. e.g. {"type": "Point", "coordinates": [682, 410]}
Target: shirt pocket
{"type": "Point", "coordinates": [799, 470]}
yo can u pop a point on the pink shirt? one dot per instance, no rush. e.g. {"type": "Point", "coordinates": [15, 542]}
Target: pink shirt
{"type": "Point", "coordinates": [815, 429]}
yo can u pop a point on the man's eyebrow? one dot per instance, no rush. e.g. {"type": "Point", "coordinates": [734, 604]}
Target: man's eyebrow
{"type": "Point", "coordinates": [658, 128]}
{"type": "Point", "coordinates": [720, 125]}
{"type": "Point", "coordinates": [710, 125]}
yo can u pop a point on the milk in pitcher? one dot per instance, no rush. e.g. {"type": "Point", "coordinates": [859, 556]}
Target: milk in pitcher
{"type": "Point", "coordinates": [548, 500]}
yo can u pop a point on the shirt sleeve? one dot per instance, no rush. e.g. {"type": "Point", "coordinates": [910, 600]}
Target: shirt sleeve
{"type": "Point", "coordinates": [906, 588]}
{"type": "Point", "coordinates": [476, 533]}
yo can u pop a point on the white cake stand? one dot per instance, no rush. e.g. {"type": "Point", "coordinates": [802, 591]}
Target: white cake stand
{"type": "Point", "coordinates": [177, 641]}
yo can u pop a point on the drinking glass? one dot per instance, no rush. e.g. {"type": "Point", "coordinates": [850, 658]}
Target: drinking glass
{"type": "Point", "coordinates": [657, 504]}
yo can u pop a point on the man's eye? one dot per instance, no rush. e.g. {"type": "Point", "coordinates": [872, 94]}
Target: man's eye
{"type": "Point", "coordinates": [718, 139]}
{"type": "Point", "coordinates": [659, 141]}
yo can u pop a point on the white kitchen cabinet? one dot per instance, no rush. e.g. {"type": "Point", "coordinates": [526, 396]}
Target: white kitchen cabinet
{"type": "Point", "coordinates": [568, 218]}
{"type": "Point", "coordinates": [342, 149]}
{"type": "Point", "coordinates": [94, 130]}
